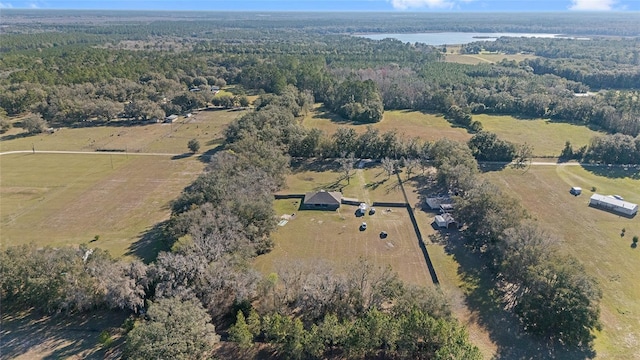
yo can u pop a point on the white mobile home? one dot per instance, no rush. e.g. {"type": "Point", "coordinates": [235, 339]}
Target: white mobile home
{"type": "Point", "coordinates": [610, 203]}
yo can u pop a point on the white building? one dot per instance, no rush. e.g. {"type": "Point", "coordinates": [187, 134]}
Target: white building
{"type": "Point", "coordinates": [445, 220]}
{"type": "Point", "coordinates": [612, 204]}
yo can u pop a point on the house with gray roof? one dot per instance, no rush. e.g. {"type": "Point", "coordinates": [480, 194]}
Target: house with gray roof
{"type": "Point", "coordinates": [322, 200]}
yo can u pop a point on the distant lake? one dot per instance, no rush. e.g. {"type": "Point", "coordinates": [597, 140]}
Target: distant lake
{"type": "Point", "coordinates": [451, 38]}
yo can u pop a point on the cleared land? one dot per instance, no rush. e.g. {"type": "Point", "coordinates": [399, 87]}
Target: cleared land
{"type": "Point", "coordinates": [335, 237]}
{"type": "Point", "coordinates": [547, 137]}
{"type": "Point", "coordinates": [407, 124]}
{"type": "Point", "coordinates": [593, 236]}
{"type": "Point", "coordinates": [58, 199]}
{"type": "Point", "coordinates": [453, 55]}
{"type": "Point", "coordinates": [205, 126]}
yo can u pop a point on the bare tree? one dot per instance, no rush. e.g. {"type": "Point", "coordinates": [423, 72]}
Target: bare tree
{"type": "Point", "coordinates": [524, 153]}
{"type": "Point", "coordinates": [389, 166]}
{"type": "Point", "coordinates": [346, 164]}
{"type": "Point", "coordinates": [410, 165]}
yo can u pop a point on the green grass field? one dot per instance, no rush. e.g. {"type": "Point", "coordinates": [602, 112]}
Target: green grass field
{"type": "Point", "coordinates": [334, 236]}
{"type": "Point", "coordinates": [594, 237]}
{"type": "Point", "coordinates": [58, 199]}
{"type": "Point", "coordinates": [407, 124]}
{"type": "Point", "coordinates": [547, 138]}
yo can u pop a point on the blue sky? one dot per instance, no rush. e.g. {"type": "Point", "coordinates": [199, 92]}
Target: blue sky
{"type": "Point", "coordinates": [333, 5]}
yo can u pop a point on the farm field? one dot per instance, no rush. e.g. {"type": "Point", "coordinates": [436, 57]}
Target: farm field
{"type": "Point", "coordinates": [453, 55]}
{"type": "Point", "coordinates": [205, 126]}
{"type": "Point", "coordinates": [547, 138]}
{"type": "Point", "coordinates": [58, 199]}
{"type": "Point", "coordinates": [489, 58]}
{"type": "Point", "coordinates": [593, 236]}
{"type": "Point", "coordinates": [407, 124]}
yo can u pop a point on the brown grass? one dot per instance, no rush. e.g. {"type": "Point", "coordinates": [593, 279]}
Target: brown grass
{"type": "Point", "coordinates": [205, 126]}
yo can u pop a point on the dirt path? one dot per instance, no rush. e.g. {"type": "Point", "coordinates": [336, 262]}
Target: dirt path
{"type": "Point", "coordinates": [86, 153]}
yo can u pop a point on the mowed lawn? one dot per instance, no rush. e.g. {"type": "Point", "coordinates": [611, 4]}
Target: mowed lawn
{"type": "Point", "coordinates": [407, 124]}
{"type": "Point", "coordinates": [335, 237]}
{"type": "Point", "coordinates": [593, 236]}
{"type": "Point", "coordinates": [59, 199]}
{"type": "Point", "coordinates": [547, 138]}
{"type": "Point", "coordinates": [205, 126]}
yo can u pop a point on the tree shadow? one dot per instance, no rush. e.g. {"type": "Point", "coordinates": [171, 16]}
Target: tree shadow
{"type": "Point", "coordinates": [489, 166]}
{"type": "Point", "coordinates": [488, 309]}
{"type": "Point", "coordinates": [16, 136]}
{"type": "Point", "coordinates": [324, 113]}
{"type": "Point", "coordinates": [182, 156]}
{"type": "Point", "coordinates": [60, 336]}
{"type": "Point", "coordinates": [151, 242]}
{"type": "Point", "coordinates": [299, 165]}
{"type": "Point", "coordinates": [614, 171]}
{"type": "Point", "coordinates": [426, 186]}
{"type": "Point", "coordinates": [206, 156]}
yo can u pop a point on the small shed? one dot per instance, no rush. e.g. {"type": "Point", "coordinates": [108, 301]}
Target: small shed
{"type": "Point", "coordinates": [434, 202]}
{"type": "Point", "coordinates": [171, 118]}
{"type": "Point", "coordinates": [575, 191]}
{"type": "Point", "coordinates": [445, 221]}
{"type": "Point", "coordinates": [322, 200]}
{"type": "Point", "coordinates": [612, 204]}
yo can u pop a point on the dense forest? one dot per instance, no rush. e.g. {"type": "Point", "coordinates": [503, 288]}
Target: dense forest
{"type": "Point", "coordinates": [145, 67]}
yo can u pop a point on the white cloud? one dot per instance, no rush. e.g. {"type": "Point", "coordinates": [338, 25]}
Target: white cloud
{"type": "Point", "coordinates": [5, 5]}
{"type": "Point", "coordinates": [33, 6]}
{"type": "Point", "coordinates": [413, 4]}
{"type": "Point", "coordinates": [593, 5]}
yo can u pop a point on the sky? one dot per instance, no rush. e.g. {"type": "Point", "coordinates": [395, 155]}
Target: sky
{"type": "Point", "coordinates": [334, 5]}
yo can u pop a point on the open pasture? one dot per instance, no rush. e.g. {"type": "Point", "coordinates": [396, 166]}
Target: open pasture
{"type": "Point", "coordinates": [59, 199]}
{"type": "Point", "coordinates": [335, 237]}
{"type": "Point", "coordinates": [547, 138]}
{"type": "Point", "coordinates": [593, 236]}
{"type": "Point", "coordinates": [207, 126]}
{"type": "Point", "coordinates": [407, 124]}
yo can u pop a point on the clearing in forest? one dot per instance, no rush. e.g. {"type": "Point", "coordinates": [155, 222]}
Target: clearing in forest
{"type": "Point", "coordinates": [594, 236]}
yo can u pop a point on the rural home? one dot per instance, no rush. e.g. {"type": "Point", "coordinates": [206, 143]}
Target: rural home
{"type": "Point", "coordinates": [612, 204]}
{"type": "Point", "coordinates": [322, 200]}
